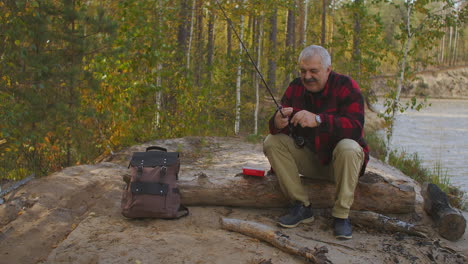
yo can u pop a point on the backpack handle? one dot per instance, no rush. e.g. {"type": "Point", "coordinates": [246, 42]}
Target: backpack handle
{"type": "Point", "coordinates": [155, 148]}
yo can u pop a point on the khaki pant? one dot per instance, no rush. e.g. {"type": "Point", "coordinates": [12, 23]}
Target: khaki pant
{"type": "Point", "coordinates": [288, 162]}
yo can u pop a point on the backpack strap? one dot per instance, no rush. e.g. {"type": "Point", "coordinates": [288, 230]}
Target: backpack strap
{"type": "Point", "coordinates": [156, 148]}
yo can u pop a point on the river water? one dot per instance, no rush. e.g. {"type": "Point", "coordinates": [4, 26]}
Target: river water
{"type": "Point", "coordinates": [439, 134]}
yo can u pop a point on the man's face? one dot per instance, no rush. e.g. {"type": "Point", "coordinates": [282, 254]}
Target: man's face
{"type": "Point", "coordinates": [313, 74]}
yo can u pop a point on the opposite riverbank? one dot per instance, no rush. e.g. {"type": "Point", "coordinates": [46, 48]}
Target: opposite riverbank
{"type": "Point", "coordinates": [448, 83]}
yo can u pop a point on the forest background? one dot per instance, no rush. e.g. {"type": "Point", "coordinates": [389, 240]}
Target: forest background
{"type": "Point", "coordinates": [80, 80]}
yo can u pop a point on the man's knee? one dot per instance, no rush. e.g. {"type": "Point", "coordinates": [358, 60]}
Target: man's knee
{"type": "Point", "coordinates": [273, 142]}
{"type": "Point", "coordinates": [348, 147]}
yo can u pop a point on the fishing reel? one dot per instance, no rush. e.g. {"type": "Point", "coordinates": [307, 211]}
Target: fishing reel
{"type": "Point", "coordinates": [299, 141]}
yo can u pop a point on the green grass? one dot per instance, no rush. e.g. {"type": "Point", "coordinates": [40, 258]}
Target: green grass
{"type": "Point", "coordinates": [254, 138]}
{"type": "Point", "coordinates": [411, 165]}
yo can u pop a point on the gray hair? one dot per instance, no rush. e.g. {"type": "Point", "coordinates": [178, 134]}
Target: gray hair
{"type": "Point", "coordinates": [312, 50]}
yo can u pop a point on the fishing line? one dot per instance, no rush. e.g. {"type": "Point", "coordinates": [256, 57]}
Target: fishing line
{"type": "Point", "coordinates": [250, 57]}
{"type": "Point", "coordinates": [298, 140]}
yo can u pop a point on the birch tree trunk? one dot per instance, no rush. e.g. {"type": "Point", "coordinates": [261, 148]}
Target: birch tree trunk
{"type": "Point", "coordinates": [157, 116]}
{"type": "Point", "coordinates": [190, 34]}
{"type": "Point", "coordinates": [257, 79]}
{"type": "Point", "coordinates": [239, 78]}
{"type": "Point", "coordinates": [454, 57]}
{"type": "Point", "coordinates": [400, 83]}
{"type": "Point", "coordinates": [442, 50]}
{"type": "Point", "coordinates": [450, 50]}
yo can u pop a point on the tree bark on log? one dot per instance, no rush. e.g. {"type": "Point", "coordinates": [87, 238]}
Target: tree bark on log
{"type": "Point", "coordinates": [373, 193]}
{"type": "Point", "coordinates": [450, 222]}
{"type": "Point", "coordinates": [275, 238]}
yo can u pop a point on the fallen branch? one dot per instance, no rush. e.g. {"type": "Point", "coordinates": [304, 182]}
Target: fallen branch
{"type": "Point", "coordinates": [382, 222]}
{"type": "Point", "coordinates": [14, 187]}
{"type": "Point", "coordinates": [275, 238]}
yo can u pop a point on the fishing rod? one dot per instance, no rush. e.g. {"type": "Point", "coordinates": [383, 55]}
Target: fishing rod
{"type": "Point", "coordinates": [298, 140]}
{"type": "Point", "coordinates": [250, 57]}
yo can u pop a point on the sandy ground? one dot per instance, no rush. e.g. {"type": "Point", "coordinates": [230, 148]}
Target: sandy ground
{"type": "Point", "coordinates": [73, 216]}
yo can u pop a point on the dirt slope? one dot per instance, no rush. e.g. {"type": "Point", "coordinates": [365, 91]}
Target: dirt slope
{"type": "Point", "coordinates": [443, 83]}
{"type": "Point", "coordinates": [73, 216]}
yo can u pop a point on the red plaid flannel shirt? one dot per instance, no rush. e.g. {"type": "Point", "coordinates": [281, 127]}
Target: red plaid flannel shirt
{"type": "Point", "coordinates": [340, 105]}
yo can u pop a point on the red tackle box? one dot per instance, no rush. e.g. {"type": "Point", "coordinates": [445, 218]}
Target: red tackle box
{"type": "Point", "coordinates": [253, 171]}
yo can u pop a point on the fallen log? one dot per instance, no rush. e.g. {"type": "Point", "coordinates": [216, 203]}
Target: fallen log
{"type": "Point", "coordinates": [450, 222]}
{"type": "Point", "coordinates": [373, 193]}
{"type": "Point", "coordinates": [275, 238]}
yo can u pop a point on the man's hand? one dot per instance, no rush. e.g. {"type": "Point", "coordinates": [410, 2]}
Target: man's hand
{"type": "Point", "coordinates": [304, 119]}
{"type": "Point", "coordinates": [282, 117]}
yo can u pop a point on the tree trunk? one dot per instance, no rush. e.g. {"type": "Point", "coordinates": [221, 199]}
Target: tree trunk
{"type": "Point", "coordinates": [401, 80]}
{"type": "Point", "coordinates": [229, 40]}
{"type": "Point", "coordinates": [257, 79]}
{"type": "Point", "coordinates": [324, 23]}
{"type": "Point", "coordinates": [455, 46]}
{"type": "Point", "coordinates": [200, 53]}
{"type": "Point", "coordinates": [273, 50]}
{"type": "Point", "coordinates": [442, 50]}
{"type": "Point", "coordinates": [157, 118]}
{"type": "Point", "coordinates": [306, 14]}
{"type": "Point", "coordinates": [253, 25]}
{"type": "Point", "coordinates": [290, 44]}
{"type": "Point", "coordinates": [182, 35]}
{"type": "Point", "coordinates": [239, 79]}
{"type": "Point", "coordinates": [450, 221]}
{"type": "Point", "coordinates": [290, 31]}
{"type": "Point", "coordinates": [158, 94]}
{"type": "Point", "coordinates": [187, 55]}
{"type": "Point", "coordinates": [211, 41]}
{"type": "Point", "coordinates": [374, 192]}
{"type": "Point", "coordinates": [450, 50]}
{"type": "Point", "coordinates": [275, 238]}
{"type": "Point", "coordinates": [331, 28]}
{"type": "Point", "coordinates": [356, 55]}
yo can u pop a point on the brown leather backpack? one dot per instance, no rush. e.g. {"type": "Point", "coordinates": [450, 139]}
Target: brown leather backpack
{"type": "Point", "coordinates": [151, 189]}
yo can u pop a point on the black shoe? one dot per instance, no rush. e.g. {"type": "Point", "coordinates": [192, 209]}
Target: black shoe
{"type": "Point", "coordinates": [298, 214]}
{"type": "Point", "coordinates": [343, 229]}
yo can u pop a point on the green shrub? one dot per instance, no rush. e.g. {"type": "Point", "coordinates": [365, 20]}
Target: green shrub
{"type": "Point", "coordinates": [410, 165]}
